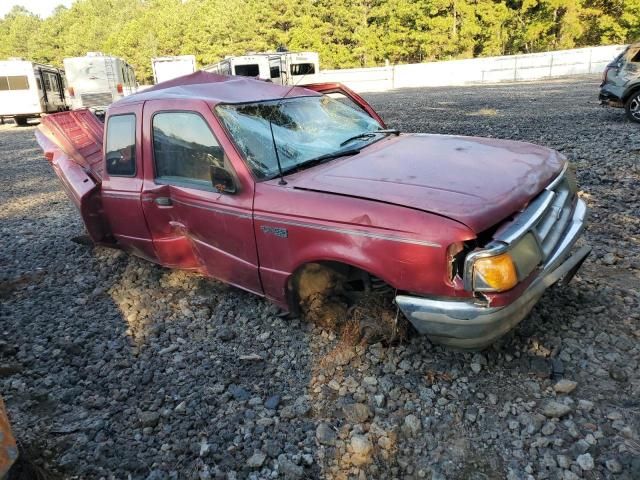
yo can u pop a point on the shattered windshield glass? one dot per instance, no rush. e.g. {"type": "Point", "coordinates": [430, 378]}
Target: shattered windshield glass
{"type": "Point", "coordinates": [304, 128]}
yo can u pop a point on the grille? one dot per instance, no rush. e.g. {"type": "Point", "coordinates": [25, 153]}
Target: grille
{"type": "Point", "coordinates": [553, 222]}
{"type": "Point", "coordinates": [547, 216]}
{"type": "Point", "coordinates": [96, 99]}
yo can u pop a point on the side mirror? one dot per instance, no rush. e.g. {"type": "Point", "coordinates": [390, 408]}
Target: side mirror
{"type": "Point", "coordinates": [222, 180]}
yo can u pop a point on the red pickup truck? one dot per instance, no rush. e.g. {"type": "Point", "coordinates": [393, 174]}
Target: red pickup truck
{"type": "Point", "coordinates": [266, 187]}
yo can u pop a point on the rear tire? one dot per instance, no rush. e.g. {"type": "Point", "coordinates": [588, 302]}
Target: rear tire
{"type": "Point", "coordinates": [632, 107]}
{"type": "Point", "coordinates": [21, 121]}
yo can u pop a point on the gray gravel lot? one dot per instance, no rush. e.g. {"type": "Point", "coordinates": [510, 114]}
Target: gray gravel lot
{"type": "Point", "coordinates": [112, 367]}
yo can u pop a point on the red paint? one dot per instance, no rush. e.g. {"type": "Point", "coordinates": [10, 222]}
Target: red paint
{"type": "Point", "coordinates": [392, 210]}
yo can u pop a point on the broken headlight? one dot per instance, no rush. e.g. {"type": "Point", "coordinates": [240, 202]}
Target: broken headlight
{"type": "Point", "coordinates": [500, 267]}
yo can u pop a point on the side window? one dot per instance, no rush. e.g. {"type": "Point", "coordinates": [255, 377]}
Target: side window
{"type": "Point", "coordinates": [120, 153]}
{"type": "Point", "coordinates": [18, 82]}
{"type": "Point", "coordinates": [635, 57]}
{"type": "Point", "coordinates": [303, 69]}
{"type": "Point", "coordinates": [184, 148]}
{"type": "Point", "coordinates": [249, 70]}
{"type": "Point", "coordinates": [4, 83]}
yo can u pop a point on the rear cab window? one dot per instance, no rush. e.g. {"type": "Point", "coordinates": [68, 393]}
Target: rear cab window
{"type": "Point", "coordinates": [184, 149]}
{"type": "Point", "coordinates": [120, 151]}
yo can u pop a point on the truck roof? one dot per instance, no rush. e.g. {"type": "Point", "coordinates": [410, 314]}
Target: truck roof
{"type": "Point", "coordinates": [214, 89]}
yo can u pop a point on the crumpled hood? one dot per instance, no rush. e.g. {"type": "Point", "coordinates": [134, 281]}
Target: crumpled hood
{"type": "Point", "coordinates": [476, 181]}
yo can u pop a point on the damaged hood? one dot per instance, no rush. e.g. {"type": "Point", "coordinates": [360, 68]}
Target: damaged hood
{"type": "Point", "coordinates": [475, 181]}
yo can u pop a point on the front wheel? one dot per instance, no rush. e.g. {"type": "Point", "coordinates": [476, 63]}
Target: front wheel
{"type": "Point", "coordinates": [21, 121]}
{"type": "Point", "coordinates": [632, 107]}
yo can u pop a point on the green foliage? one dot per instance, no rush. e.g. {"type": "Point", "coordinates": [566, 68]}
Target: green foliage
{"type": "Point", "coordinates": [346, 33]}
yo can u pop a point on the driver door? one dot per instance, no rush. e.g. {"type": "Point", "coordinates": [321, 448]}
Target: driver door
{"type": "Point", "coordinates": [193, 224]}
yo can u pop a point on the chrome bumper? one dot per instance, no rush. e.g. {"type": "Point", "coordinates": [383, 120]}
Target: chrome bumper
{"type": "Point", "coordinates": [470, 325]}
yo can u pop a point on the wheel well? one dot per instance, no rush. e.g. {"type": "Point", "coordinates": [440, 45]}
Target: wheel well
{"type": "Point", "coordinates": [325, 276]}
{"type": "Point", "coordinates": [635, 89]}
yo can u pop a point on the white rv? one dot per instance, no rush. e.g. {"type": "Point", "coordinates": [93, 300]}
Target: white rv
{"type": "Point", "coordinates": [168, 68]}
{"type": "Point", "coordinates": [294, 68]}
{"type": "Point", "coordinates": [286, 68]}
{"type": "Point", "coordinates": [256, 65]}
{"type": "Point", "coordinates": [28, 90]}
{"type": "Point", "coordinates": [97, 80]}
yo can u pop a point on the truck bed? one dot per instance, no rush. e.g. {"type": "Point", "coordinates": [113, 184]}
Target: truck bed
{"type": "Point", "coordinates": [78, 134]}
{"type": "Point", "coordinates": [72, 143]}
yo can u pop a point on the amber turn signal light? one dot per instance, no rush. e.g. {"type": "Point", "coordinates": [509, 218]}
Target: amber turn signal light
{"type": "Point", "coordinates": [497, 272]}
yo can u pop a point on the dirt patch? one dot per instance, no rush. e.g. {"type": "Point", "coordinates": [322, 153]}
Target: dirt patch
{"type": "Point", "coordinates": [357, 317]}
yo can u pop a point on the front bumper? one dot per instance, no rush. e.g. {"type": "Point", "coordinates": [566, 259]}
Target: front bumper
{"type": "Point", "coordinates": [609, 98]}
{"type": "Point", "coordinates": [471, 325]}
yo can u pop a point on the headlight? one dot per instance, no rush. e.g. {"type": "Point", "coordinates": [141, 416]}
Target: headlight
{"type": "Point", "coordinates": [487, 272]}
{"type": "Point", "coordinates": [496, 273]}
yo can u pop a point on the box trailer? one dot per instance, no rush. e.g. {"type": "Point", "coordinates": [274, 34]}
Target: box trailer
{"type": "Point", "coordinates": [28, 90]}
{"type": "Point", "coordinates": [168, 68]}
{"type": "Point", "coordinates": [97, 80]}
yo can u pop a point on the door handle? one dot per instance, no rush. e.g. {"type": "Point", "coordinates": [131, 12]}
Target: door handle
{"type": "Point", "coordinates": [163, 201]}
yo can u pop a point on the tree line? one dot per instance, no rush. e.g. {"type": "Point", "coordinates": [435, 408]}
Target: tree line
{"type": "Point", "coordinates": [346, 33]}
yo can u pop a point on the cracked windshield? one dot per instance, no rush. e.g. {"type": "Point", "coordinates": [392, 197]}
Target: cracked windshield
{"type": "Point", "coordinates": [304, 128]}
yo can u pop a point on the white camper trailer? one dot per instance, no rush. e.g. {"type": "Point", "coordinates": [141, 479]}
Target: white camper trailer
{"type": "Point", "coordinates": [168, 68]}
{"type": "Point", "coordinates": [28, 90]}
{"type": "Point", "coordinates": [245, 65]}
{"type": "Point", "coordinates": [294, 68]}
{"type": "Point", "coordinates": [97, 80]}
{"type": "Point", "coordinates": [286, 68]}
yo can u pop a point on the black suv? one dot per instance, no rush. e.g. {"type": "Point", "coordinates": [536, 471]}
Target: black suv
{"type": "Point", "coordinates": [621, 82]}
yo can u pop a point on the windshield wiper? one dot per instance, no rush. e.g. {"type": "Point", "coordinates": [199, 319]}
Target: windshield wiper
{"type": "Point", "coordinates": [322, 158]}
{"type": "Point", "coordinates": [372, 133]}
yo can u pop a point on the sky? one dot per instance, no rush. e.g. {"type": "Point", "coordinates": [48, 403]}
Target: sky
{"type": "Point", "coordinates": [44, 8]}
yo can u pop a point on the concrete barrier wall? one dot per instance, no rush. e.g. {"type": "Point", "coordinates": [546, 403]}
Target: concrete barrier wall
{"type": "Point", "coordinates": [513, 68]}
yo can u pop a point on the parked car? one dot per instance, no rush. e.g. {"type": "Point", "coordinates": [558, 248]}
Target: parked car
{"type": "Point", "coordinates": [620, 85]}
{"type": "Point", "coordinates": [270, 188]}
{"type": "Point", "coordinates": [28, 90]}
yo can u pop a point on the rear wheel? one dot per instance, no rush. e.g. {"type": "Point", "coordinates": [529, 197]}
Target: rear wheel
{"type": "Point", "coordinates": [632, 107]}
{"type": "Point", "coordinates": [21, 121]}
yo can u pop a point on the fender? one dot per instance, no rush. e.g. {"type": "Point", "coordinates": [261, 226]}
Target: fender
{"type": "Point", "coordinates": [404, 247]}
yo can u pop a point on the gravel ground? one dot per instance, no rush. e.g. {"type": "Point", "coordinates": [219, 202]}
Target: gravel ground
{"type": "Point", "coordinates": [112, 367]}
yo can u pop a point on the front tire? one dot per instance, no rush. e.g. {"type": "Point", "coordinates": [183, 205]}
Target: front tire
{"type": "Point", "coordinates": [632, 107]}
{"type": "Point", "coordinates": [21, 121]}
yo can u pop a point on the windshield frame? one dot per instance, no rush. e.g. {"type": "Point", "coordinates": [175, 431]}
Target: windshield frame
{"type": "Point", "coordinates": [365, 142]}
